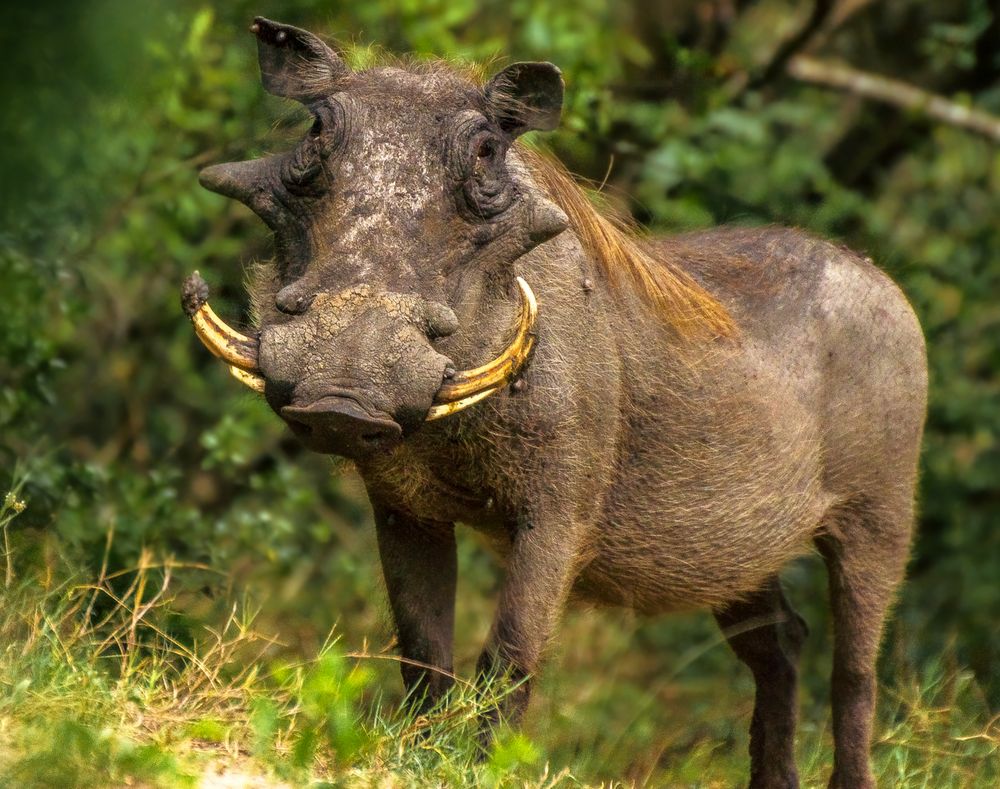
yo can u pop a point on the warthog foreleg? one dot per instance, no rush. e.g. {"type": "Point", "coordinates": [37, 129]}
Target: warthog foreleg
{"type": "Point", "coordinates": [540, 572]}
{"type": "Point", "coordinates": [419, 565]}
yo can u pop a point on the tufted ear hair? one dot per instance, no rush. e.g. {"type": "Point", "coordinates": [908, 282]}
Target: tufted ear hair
{"type": "Point", "coordinates": [294, 63]}
{"type": "Point", "coordinates": [526, 97]}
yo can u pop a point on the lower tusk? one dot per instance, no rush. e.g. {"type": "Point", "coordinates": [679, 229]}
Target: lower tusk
{"type": "Point", "coordinates": [222, 340]}
{"type": "Point", "coordinates": [470, 386]}
{"type": "Point", "coordinates": [255, 382]}
{"type": "Point", "coordinates": [447, 409]}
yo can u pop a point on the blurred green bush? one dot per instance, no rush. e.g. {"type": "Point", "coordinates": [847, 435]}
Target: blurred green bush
{"type": "Point", "coordinates": [125, 425]}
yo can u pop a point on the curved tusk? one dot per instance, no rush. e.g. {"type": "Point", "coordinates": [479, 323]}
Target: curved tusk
{"type": "Point", "coordinates": [225, 342]}
{"type": "Point", "coordinates": [255, 382]}
{"type": "Point", "coordinates": [447, 409]}
{"type": "Point", "coordinates": [222, 340]}
{"type": "Point", "coordinates": [470, 386]}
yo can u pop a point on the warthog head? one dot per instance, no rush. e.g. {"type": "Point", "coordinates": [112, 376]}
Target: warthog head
{"type": "Point", "coordinates": [403, 182]}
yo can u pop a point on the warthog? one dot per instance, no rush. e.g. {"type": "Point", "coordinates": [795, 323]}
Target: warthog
{"type": "Point", "coordinates": [653, 423]}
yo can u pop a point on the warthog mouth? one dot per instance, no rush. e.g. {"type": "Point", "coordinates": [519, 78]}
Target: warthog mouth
{"type": "Point", "coordinates": [339, 419]}
{"type": "Point", "coordinates": [457, 392]}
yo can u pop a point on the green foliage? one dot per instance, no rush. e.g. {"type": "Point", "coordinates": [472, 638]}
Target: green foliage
{"type": "Point", "coordinates": [511, 751]}
{"type": "Point", "coordinates": [125, 427]}
{"type": "Point", "coordinates": [81, 756]}
{"type": "Point", "coordinates": [119, 702]}
{"type": "Point", "coordinates": [329, 692]}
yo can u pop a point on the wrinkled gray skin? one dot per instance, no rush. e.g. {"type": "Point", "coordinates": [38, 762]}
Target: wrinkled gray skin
{"type": "Point", "coordinates": [632, 467]}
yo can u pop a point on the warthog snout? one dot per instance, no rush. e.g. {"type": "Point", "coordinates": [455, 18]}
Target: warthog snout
{"type": "Point", "coordinates": [355, 371]}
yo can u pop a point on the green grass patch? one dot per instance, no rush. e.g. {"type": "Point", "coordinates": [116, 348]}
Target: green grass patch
{"type": "Point", "coordinates": [100, 688]}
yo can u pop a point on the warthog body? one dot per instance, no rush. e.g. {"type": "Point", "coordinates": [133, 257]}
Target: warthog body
{"type": "Point", "coordinates": [698, 410]}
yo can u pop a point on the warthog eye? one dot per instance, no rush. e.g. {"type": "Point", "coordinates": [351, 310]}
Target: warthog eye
{"type": "Point", "coordinates": [487, 186]}
{"type": "Point", "coordinates": [487, 148]}
{"type": "Point", "coordinates": [302, 174]}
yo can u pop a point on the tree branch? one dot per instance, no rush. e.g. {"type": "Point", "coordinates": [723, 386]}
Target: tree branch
{"type": "Point", "coordinates": [895, 93]}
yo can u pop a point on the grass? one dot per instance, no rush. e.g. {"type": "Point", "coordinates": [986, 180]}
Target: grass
{"type": "Point", "coordinates": [98, 691]}
{"type": "Point", "coordinates": [102, 686]}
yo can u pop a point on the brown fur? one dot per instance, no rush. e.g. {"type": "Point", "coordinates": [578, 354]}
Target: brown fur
{"type": "Point", "coordinates": [651, 456]}
{"type": "Point", "coordinates": [626, 259]}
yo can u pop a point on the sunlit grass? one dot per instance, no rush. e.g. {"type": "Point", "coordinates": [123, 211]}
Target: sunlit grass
{"type": "Point", "coordinates": [97, 691]}
{"type": "Point", "coordinates": [99, 688]}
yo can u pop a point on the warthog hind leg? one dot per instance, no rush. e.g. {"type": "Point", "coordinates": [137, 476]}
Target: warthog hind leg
{"type": "Point", "coordinates": [865, 554]}
{"type": "Point", "coordinates": [767, 635]}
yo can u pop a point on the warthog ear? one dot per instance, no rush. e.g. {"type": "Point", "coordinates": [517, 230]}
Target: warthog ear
{"type": "Point", "coordinates": [526, 97]}
{"type": "Point", "coordinates": [294, 63]}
